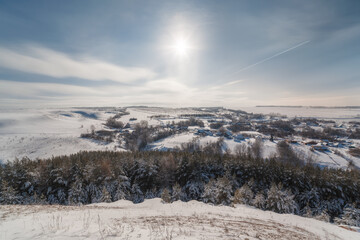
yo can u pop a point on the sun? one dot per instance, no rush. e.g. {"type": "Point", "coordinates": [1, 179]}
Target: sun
{"type": "Point", "coordinates": [181, 47]}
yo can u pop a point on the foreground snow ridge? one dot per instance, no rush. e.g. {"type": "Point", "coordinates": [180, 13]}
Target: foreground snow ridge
{"type": "Point", "coordinates": [153, 219]}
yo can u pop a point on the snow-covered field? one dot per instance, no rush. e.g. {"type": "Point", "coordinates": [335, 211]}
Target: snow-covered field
{"type": "Point", "coordinates": [43, 133]}
{"type": "Point", "coordinates": [153, 219]}
{"type": "Point", "coordinates": [337, 114]}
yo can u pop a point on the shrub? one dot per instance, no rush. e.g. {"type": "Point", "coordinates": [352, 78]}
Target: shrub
{"type": "Point", "coordinates": [280, 201]}
{"type": "Point", "coordinates": [259, 201]}
{"type": "Point", "coordinates": [113, 123]}
{"type": "Point", "coordinates": [287, 155]}
{"type": "Point", "coordinates": [244, 195]}
{"type": "Point", "coordinates": [176, 193]}
{"type": "Point", "coordinates": [354, 152]}
{"type": "Point", "coordinates": [165, 196]}
{"type": "Point", "coordinates": [105, 196]}
{"type": "Point", "coordinates": [350, 216]}
{"type": "Point", "coordinates": [257, 148]}
{"type": "Point", "coordinates": [216, 125]}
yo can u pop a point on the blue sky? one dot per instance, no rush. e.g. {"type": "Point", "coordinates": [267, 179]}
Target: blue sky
{"type": "Point", "coordinates": [183, 53]}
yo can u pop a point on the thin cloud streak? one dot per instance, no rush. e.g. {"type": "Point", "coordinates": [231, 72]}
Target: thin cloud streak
{"type": "Point", "coordinates": [269, 58]}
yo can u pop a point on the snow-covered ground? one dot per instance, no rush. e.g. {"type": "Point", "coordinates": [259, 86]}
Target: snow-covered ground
{"type": "Point", "coordinates": [339, 114]}
{"type": "Point", "coordinates": [42, 133]}
{"type": "Point", "coordinates": [153, 219]}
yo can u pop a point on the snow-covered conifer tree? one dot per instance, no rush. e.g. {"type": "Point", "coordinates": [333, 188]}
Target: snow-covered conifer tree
{"type": "Point", "coordinates": [223, 191]}
{"type": "Point", "coordinates": [280, 201]}
{"type": "Point", "coordinates": [176, 193]}
{"type": "Point", "coordinates": [151, 193]}
{"type": "Point", "coordinates": [76, 193]}
{"type": "Point", "coordinates": [209, 193]}
{"type": "Point", "coordinates": [8, 194]}
{"type": "Point", "coordinates": [307, 212]}
{"type": "Point", "coordinates": [165, 196]}
{"type": "Point", "coordinates": [137, 194]}
{"type": "Point", "coordinates": [350, 216]}
{"type": "Point", "coordinates": [243, 195]}
{"type": "Point", "coordinates": [259, 201]}
{"type": "Point", "coordinates": [323, 216]}
{"type": "Point", "coordinates": [106, 197]}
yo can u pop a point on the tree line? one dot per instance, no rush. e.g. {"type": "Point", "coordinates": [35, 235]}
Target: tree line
{"type": "Point", "coordinates": [212, 177]}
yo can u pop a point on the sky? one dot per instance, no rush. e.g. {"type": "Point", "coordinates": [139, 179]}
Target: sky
{"type": "Point", "coordinates": [179, 53]}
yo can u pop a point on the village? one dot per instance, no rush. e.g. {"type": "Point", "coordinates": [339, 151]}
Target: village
{"type": "Point", "coordinates": [143, 128]}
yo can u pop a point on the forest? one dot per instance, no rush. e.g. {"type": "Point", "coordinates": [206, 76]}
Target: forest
{"type": "Point", "coordinates": [213, 177]}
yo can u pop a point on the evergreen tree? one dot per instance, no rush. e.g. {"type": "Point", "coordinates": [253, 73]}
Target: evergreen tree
{"type": "Point", "coordinates": [280, 201]}
{"type": "Point", "coordinates": [223, 191]}
{"type": "Point", "coordinates": [119, 194]}
{"type": "Point", "coordinates": [244, 195]}
{"type": "Point", "coordinates": [259, 201]}
{"type": "Point", "coordinates": [309, 198]}
{"type": "Point", "coordinates": [39, 200]}
{"type": "Point", "coordinates": [137, 194]}
{"type": "Point", "coordinates": [76, 193]}
{"type": "Point", "coordinates": [151, 193]}
{"type": "Point", "coordinates": [323, 216]}
{"type": "Point", "coordinates": [8, 194]}
{"type": "Point", "coordinates": [176, 193]}
{"type": "Point", "coordinates": [307, 212]}
{"type": "Point", "coordinates": [208, 195]}
{"type": "Point", "coordinates": [122, 189]}
{"type": "Point", "coordinates": [350, 216]}
{"type": "Point", "coordinates": [94, 193]}
{"type": "Point", "coordinates": [106, 197]}
{"type": "Point", "coordinates": [165, 196]}
{"type": "Point", "coordinates": [194, 190]}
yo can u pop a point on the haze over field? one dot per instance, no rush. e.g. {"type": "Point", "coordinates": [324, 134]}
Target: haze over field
{"type": "Point", "coordinates": [183, 53]}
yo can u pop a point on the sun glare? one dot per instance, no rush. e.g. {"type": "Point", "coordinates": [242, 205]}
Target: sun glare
{"type": "Point", "coordinates": [181, 47]}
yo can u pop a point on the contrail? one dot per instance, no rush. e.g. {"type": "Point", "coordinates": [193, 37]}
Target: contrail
{"type": "Point", "coordinates": [269, 58]}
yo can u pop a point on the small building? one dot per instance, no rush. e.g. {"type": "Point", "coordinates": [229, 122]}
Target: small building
{"type": "Point", "coordinates": [239, 138]}
{"type": "Point", "coordinates": [309, 143]}
{"type": "Point", "coordinates": [320, 148]}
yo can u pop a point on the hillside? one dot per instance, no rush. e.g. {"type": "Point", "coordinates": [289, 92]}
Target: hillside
{"type": "Point", "coordinates": [155, 220]}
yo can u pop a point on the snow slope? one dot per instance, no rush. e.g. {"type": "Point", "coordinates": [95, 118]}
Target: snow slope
{"type": "Point", "coordinates": [44, 133]}
{"type": "Point", "coordinates": [154, 220]}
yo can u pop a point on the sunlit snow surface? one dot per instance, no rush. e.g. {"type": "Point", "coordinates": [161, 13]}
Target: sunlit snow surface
{"type": "Point", "coordinates": [153, 219]}
{"type": "Point", "coordinates": [337, 114]}
{"type": "Point", "coordinates": [43, 133]}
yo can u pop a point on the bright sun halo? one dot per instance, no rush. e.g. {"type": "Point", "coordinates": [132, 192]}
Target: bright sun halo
{"type": "Point", "coordinates": [181, 47]}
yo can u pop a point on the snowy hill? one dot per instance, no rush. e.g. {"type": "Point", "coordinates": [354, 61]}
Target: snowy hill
{"type": "Point", "coordinates": [153, 219]}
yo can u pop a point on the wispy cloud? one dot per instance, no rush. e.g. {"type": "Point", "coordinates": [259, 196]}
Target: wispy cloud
{"type": "Point", "coordinates": [43, 61]}
{"type": "Point", "coordinates": [23, 90]}
{"type": "Point", "coordinates": [268, 58]}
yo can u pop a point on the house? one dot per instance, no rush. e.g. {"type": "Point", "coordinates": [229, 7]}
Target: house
{"type": "Point", "coordinates": [310, 143]}
{"type": "Point", "coordinates": [228, 134]}
{"type": "Point", "coordinates": [320, 148]}
{"type": "Point", "coordinates": [239, 138]}
{"type": "Point", "coordinates": [291, 141]}
{"type": "Point", "coordinates": [203, 132]}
